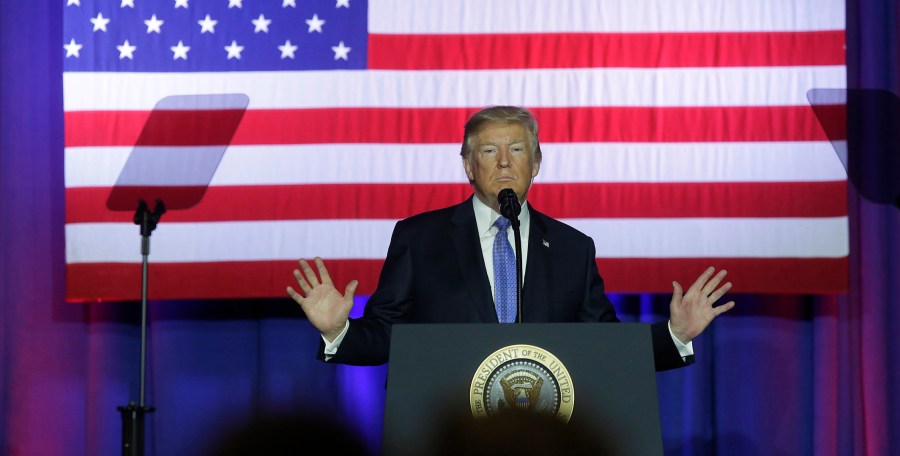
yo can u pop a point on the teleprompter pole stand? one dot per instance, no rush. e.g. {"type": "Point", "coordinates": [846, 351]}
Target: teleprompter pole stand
{"type": "Point", "coordinates": [133, 413]}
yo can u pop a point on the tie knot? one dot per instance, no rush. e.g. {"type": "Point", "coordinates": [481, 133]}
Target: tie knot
{"type": "Point", "coordinates": [502, 224]}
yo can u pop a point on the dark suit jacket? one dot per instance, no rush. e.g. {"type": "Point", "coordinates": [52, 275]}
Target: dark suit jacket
{"type": "Point", "coordinates": [434, 273]}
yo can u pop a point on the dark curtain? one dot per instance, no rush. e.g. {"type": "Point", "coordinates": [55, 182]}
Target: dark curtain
{"type": "Point", "coordinates": [779, 375]}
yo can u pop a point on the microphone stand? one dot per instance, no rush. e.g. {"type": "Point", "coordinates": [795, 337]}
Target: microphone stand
{"type": "Point", "coordinates": [133, 413]}
{"type": "Point", "coordinates": [518, 237]}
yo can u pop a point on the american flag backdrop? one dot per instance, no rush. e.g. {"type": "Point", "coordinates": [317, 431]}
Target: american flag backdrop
{"type": "Point", "coordinates": [676, 133]}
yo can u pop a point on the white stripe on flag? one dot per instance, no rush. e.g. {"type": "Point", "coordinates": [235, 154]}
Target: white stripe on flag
{"type": "Point", "coordinates": [653, 16]}
{"type": "Point", "coordinates": [754, 86]}
{"type": "Point", "coordinates": [368, 239]}
{"type": "Point", "coordinates": [440, 163]}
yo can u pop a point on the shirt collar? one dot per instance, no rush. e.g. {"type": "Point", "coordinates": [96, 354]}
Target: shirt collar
{"type": "Point", "coordinates": [485, 216]}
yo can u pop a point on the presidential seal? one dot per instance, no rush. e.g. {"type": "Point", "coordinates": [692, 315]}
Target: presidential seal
{"type": "Point", "coordinates": [525, 377]}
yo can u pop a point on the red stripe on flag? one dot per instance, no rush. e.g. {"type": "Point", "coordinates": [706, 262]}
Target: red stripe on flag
{"type": "Point", "coordinates": [429, 125]}
{"type": "Point", "coordinates": [571, 200]}
{"type": "Point", "coordinates": [127, 197]}
{"type": "Point", "coordinates": [595, 50]}
{"type": "Point", "coordinates": [266, 279]}
{"type": "Point", "coordinates": [695, 200]}
{"type": "Point", "coordinates": [749, 275]}
{"type": "Point", "coordinates": [201, 127]}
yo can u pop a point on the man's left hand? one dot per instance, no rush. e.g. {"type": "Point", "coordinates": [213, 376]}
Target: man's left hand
{"type": "Point", "coordinates": [691, 312]}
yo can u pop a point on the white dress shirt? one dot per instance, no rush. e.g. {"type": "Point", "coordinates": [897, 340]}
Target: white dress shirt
{"type": "Point", "coordinates": [485, 217]}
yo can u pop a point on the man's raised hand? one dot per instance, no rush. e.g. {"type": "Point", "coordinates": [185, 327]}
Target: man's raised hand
{"type": "Point", "coordinates": [691, 312]}
{"type": "Point", "coordinates": [323, 305]}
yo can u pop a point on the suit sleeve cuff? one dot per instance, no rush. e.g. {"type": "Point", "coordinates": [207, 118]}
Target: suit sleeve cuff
{"type": "Point", "coordinates": [685, 350]}
{"type": "Point", "coordinates": [331, 348]}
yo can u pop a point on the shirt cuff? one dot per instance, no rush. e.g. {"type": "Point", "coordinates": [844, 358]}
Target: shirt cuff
{"type": "Point", "coordinates": [684, 350]}
{"type": "Point", "coordinates": [332, 347]}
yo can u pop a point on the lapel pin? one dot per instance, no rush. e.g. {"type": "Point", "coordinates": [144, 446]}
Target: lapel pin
{"type": "Point", "coordinates": [546, 244]}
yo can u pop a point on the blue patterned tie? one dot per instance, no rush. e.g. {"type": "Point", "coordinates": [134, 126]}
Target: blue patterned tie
{"type": "Point", "coordinates": [504, 274]}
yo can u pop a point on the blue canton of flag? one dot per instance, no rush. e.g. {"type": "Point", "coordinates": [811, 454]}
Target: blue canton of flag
{"type": "Point", "coordinates": [220, 35]}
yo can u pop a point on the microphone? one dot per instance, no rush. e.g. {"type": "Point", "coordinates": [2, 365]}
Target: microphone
{"type": "Point", "coordinates": [509, 206]}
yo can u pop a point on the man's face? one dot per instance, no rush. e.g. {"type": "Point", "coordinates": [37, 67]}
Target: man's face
{"type": "Point", "coordinates": [501, 158]}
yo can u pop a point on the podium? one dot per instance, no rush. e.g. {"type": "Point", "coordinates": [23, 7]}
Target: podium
{"type": "Point", "coordinates": [598, 376]}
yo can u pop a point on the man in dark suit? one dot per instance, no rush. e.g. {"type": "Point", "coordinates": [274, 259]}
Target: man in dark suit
{"type": "Point", "coordinates": [443, 266]}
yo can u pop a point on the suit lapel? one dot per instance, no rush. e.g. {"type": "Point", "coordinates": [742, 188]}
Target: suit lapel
{"type": "Point", "coordinates": [467, 247]}
{"type": "Point", "coordinates": [537, 271]}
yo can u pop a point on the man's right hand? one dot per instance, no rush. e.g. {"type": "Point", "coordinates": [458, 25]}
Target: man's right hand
{"type": "Point", "coordinates": [323, 305]}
